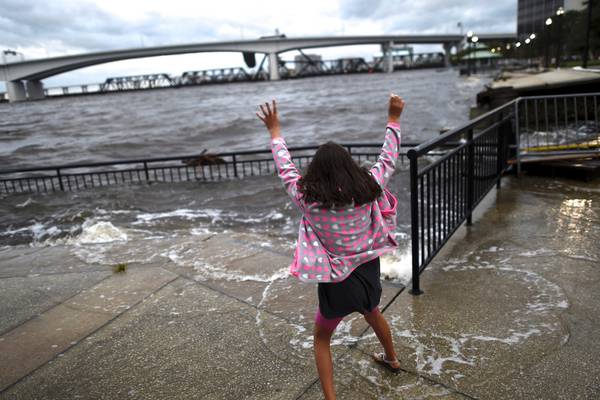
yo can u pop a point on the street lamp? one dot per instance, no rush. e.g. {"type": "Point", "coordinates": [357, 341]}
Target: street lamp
{"type": "Point", "coordinates": [586, 51]}
{"type": "Point", "coordinates": [470, 48]}
{"type": "Point", "coordinates": [532, 36]}
{"type": "Point", "coordinates": [559, 15]}
{"type": "Point", "coordinates": [474, 39]}
{"type": "Point", "coordinates": [529, 54]}
{"type": "Point", "coordinates": [546, 44]}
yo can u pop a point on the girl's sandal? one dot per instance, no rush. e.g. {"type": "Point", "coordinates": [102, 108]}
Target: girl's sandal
{"type": "Point", "coordinates": [380, 359]}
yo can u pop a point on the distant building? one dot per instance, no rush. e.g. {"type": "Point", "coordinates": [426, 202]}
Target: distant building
{"type": "Point", "coordinates": [574, 5]}
{"type": "Point", "coordinates": [308, 64]}
{"type": "Point", "coordinates": [532, 14]}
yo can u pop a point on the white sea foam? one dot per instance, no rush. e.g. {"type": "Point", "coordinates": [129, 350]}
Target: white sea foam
{"type": "Point", "coordinates": [515, 337]}
{"type": "Point", "coordinates": [93, 231]}
{"type": "Point", "coordinates": [199, 231]}
{"type": "Point", "coordinates": [438, 353]}
{"type": "Point", "coordinates": [38, 231]}
{"type": "Point", "coordinates": [207, 271]}
{"type": "Point", "coordinates": [397, 266]}
{"type": "Point", "coordinates": [180, 213]}
{"type": "Point", "coordinates": [538, 252]}
{"type": "Point", "coordinates": [212, 214]}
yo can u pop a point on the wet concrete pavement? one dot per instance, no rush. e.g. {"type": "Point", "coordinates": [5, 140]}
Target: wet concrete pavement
{"type": "Point", "coordinates": [510, 310]}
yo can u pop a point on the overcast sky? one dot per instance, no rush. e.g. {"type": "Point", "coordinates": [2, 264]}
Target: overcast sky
{"type": "Point", "coordinates": [58, 27]}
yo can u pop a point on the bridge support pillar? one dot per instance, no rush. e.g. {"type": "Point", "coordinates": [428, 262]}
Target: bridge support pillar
{"type": "Point", "coordinates": [388, 57]}
{"type": "Point", "coordinates": [447, 48]}
{"type": "Point", "coordinates": [273, 67]}
{"type": "Point", "coordinates": [16, 91]}
{"type": "Point", "coordinates": [35, 90]}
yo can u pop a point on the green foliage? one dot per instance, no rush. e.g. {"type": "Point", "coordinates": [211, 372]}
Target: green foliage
{"type": "Point", "coordinates": [568, 32]}
{"type": "Point", "coordinates": [120, 267]}
{"type": "Point", "coordinates": [575, 27]}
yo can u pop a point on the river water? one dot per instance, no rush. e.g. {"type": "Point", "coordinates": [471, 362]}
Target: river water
{"type": "Point", "coordinates": [131, 224]}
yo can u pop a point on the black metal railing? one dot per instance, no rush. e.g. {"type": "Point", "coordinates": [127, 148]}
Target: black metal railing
{"type": "Point", "coordinates": [199, 167]}
{"type": "Point", "coordinates": [558, 126]}
{"type": "Point", "coordinates": [445, 192]}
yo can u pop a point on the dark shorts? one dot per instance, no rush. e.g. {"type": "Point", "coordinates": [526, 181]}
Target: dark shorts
{"type": "Point", "coordinates": [360, 292]}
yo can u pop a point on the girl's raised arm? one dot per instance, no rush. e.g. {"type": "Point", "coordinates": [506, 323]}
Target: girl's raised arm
{"type": "Point", "coordinates": [386, 163]}
{"type": "Point", "coordinates": [286, 169]}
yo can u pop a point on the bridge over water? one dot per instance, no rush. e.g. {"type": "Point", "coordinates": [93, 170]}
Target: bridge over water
{"type": "Point", "coordinates": [24, 79]}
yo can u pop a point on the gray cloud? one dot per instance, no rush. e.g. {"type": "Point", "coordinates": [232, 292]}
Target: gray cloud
{"type": "Point", "coordinates": [359, 8]}
{"type": "Point", "coordinates": [68, 25]}
{"type": "Point", "coordinates": [430, 16]}
{"type": "Point", "coordinates": [80, 25]}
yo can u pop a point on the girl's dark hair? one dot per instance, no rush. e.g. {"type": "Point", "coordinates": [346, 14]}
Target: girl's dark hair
{"type": "Point", "coordinates": [333, 179]}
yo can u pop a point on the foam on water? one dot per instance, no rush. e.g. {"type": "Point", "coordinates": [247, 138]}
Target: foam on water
{"type": "Point", "coordinates": [93, 231]}
{"type": "Point", "coordinates": [212, 214]}
{"type": "Point", "coordinates": [385, 387]}
{"type": "Point", "coordinates": [538, 252]}
{"type": "Point", "coordinates": [210, 272]}
{"type": "Point", "coordinates": [37, 230]}
{"type": "Point", "coordinates": [439, 353]}
{"type": "Point", "coordinates": [397, 266]}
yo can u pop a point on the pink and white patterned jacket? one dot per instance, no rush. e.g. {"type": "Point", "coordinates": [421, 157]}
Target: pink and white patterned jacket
{"type": "Point", "coordinates": [332, 242]}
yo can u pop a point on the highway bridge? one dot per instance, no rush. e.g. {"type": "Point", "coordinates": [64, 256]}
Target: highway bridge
{"type": "Point", "coordinates": [24, 79]}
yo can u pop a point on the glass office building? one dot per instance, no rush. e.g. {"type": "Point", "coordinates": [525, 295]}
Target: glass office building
{"type": "Point", "coordinates": [532, 15]}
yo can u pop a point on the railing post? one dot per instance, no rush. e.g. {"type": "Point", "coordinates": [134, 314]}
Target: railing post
{"type": "Point", "coordinates": [518, 138]}
{"type": "Point", "coordinates": [146, 171]}
{"type": "Point", "coordinates": [60, 182]}
{"type": "Point", "coordinates": [500, 150]}
{"type": "Point", "coordinates": [414, 222]}
{"type": "Point", "coordinates": [470, 175]}
{"type": "Point", "coordinates": [235, 171]}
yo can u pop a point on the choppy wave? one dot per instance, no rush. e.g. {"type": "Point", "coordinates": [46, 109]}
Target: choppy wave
{"type": "Point", "coordinates": [397, 266]}
{"type": "Point", "coordinates": [98, 232]}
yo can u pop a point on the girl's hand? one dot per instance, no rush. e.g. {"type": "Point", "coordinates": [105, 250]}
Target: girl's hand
{"type": "Point", "coordinates": [395, 108]}
{"type": "Point", "coordinates": [271, 119]}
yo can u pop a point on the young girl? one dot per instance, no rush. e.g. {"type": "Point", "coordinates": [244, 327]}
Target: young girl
{"type": "Point", "coordinates": [348, 219]}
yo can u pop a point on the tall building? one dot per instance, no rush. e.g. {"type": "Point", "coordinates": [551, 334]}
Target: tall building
{"type": "Point", "coordinates": [532, 15]}
{"type": "Point", "coordinates": [574, 5]}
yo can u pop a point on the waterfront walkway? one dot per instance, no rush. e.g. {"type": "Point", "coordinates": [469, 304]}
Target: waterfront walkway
{"type": "Point", "coordinates": [511, 310]}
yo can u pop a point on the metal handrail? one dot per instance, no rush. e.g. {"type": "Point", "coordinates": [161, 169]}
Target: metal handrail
{"type": "Point", "coordinates": [184, 157]}
{"type": "Point", "coordinates": [455, 133]}
{"type": "Point", "coordinates": [76, 176]}
{"type": "Point", "coordinates": [558, 96]}
{"type": "Point", "coordinates": [444, 193]}
{"type": "Point", "coordinates": [539, 115]}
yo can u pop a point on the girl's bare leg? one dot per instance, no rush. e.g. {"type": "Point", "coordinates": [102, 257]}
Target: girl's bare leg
{"type": "Point", "coordinates": [382, 330]}
{"type": "Point", "coordinates": [322, 339]}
